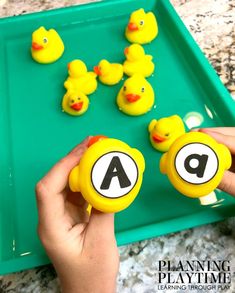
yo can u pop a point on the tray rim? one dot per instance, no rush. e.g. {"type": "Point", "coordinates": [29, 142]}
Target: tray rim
{"type": "Point", "coordinates": [160, 228]}
{"type": "Point", "coordinates": [62, 10]}
{"type": "Point", "coordinates": [128, 237]}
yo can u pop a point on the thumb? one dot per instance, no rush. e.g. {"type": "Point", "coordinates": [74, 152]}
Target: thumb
{"type": "Point", "coordinates": [227, 140]}
{"type": "Point", "coordinates": [228, 183]}
{"type": "Point", "coordinates": [56, 179]}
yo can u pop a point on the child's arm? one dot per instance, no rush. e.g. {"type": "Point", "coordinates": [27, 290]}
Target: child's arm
{"type": "Point", "coordinates": [82, 248]}
{"type": "Point", "coordinates": [226, 136]}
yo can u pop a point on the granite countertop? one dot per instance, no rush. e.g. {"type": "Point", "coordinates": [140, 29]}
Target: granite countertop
{"type": "Point", "coordinates": [212, 23]}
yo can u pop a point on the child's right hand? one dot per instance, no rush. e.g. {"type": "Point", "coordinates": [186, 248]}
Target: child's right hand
{"type": "Point", "coordinates": [82, 247]}
{"type": "Point", "coordinates": [226, 136]}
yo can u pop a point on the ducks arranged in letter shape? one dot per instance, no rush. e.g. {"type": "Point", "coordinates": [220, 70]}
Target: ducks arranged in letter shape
{"type": "Point", "coordinates": [136, 96]}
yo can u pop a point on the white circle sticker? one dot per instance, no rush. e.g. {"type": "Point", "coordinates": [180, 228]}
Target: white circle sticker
{"type": "Point", "coordinates": [114, 174]}
{"type": "Point", "coordinates": [196, 163]}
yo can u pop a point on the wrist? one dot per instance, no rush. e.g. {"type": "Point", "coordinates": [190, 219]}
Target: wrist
{"type": "Point", "coordinates": [82, 287]}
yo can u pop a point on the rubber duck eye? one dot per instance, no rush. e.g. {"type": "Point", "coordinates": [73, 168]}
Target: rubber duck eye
{"type": "Point", "coordinates": [79, 99]}
{"type": "Point", "coordinates": [167, 134]}
{"type": "Point", "coordinates": [124, 88]}
{"type": "Point", "coordinates": [45, 40]}
{"type": "Point", "coordinates": [141, 22]}
{"type": "Point", "coordinates": [72, 101]}
{"type": "Point", "coordinates": [143, 90]}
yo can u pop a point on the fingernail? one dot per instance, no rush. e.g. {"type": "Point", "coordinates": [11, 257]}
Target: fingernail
{"type": "Point", "coordinates": [194, 130]}
{"type": "Point", "coordinates": [207, 130]}
{"type": "Point", "coordinates": [81, 147]}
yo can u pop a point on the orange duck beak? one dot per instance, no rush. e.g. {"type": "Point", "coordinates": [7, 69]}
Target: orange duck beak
{"type": "Point", "coordinates": [158, 139]}
{"type": "Point", "coordinates": [131, 98]}
{"type": "Point", "coordinates": [36, 46]}
{"type": "Point", "coordinates": [126, 51]}
{"type": "Point", "coordinates": [97, 70]}
{"type": "Point", "coordinates": [77, 106]}
{"type": "Point", "coordinates": [132, 27]}
{"type": "Point", "coordinates": [96, 138]}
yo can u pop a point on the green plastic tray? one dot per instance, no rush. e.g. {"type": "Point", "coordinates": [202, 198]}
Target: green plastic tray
{"type": "Point", "coordinates": [34, 133]}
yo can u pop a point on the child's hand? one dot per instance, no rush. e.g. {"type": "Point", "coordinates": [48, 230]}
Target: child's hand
{"type": "Point", "coordinates": [82, 248]}
{"type": "Point", "coordinates": [226, 136]}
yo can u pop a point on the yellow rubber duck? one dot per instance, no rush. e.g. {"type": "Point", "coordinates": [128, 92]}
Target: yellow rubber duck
{"type": "Point", "coordinates": [109, 175]}
{"type": "Point", "coordinates": [137, 61]}
{"type": "Point", "coordinates": [75, 104]}
{"type": "Point", "coordinates": [165, 131]}
{"type": "Point", "coordinates": [80, 79]}
{"type": "Point", "coordinates": [142, 27]}
{"type": "Point", "coordinates": [109, 73]}
{"type": "Point", "coordinates": [195, 165]}
{"type": "Point", "coordinates": [47, 46]}
{"type": "Point", "coordinates": [136, 96]}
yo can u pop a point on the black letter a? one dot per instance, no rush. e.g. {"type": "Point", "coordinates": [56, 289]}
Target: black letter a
{"type": "Point", "coordinates": [200, 169]}
{"type": "Point", "coordinates": [115, 169]}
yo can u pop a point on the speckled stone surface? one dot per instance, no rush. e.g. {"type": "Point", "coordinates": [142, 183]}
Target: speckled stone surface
{"type": "Point", "coordinates": [212, 23]}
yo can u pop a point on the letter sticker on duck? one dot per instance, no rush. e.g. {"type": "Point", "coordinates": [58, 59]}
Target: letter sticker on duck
{"type": "Point", "coordinates": [109, 175]}
{"type": "Point", "coordinates": [196, 163]}
{"type": "Point", "coordinates": [114, 174]}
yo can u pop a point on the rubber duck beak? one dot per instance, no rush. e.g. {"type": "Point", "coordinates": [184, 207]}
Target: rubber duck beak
{"type": "Point", "coordinates": [97, 70]}
{"type": "Point", "coordinates": [36, 46]}
{"type": "Point", "coordinates": [158, 139]}
{"type": "Point", "coordinates": [95, 139]}
{"type": "Point", "coordinates": [131, 98]}
{"type": "Point", "coordinates": [132, 27]}
{"type": "Point", "coordinates": [126, 51]}
{"type": "Point", "coordinates": [77, 106]}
